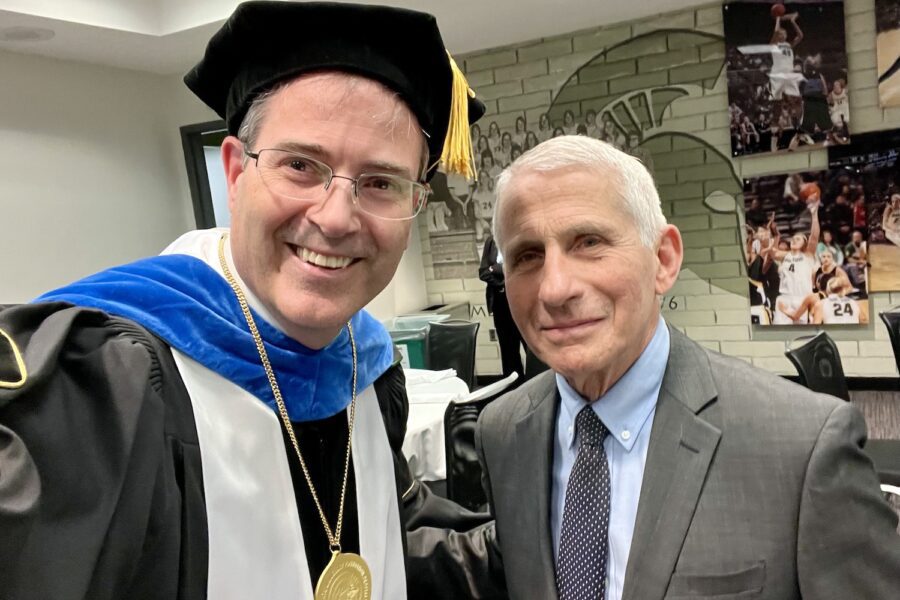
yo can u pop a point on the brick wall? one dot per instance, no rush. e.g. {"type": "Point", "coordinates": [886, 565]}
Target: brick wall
{"type": "Point", "coordinates": [664, 78]}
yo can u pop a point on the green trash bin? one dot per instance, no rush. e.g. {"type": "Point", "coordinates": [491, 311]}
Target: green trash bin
{"type": "Point", "coordinates": [411, 343]}
{"type": "Point", "coordinates": [409, 334]}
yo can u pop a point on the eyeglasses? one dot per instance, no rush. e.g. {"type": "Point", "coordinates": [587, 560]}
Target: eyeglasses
{"type": "Point", "coordinates": [299, 177]}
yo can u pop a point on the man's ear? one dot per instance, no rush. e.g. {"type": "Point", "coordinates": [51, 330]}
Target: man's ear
{"type": "Point", "coordinates": [233, 162]}
{"type": "Point", "coordinates": [669, 253]}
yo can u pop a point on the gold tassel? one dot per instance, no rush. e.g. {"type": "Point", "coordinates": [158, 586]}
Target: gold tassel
{"type": "Point", "coordinates": [457, 155]}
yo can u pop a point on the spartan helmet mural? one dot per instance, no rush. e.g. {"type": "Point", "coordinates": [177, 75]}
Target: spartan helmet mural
{"type": "Point", "coordinates": [652, 114]}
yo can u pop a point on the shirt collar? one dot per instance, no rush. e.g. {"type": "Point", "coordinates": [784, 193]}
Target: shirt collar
{"type": "Point", "coordinates": [625, 407]}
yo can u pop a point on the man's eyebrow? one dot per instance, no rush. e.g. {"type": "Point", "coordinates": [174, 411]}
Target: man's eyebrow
{"type": "Point", "coordinates": [521, 245]}
{"type": "Point", "coordinates": [605, 233]}
{"type": "Point", "coordinates": [318, 151]}
{"type": "Point", "coordinates": [380, 166]}
{"type": "Point", "coordinates": [301, 147]}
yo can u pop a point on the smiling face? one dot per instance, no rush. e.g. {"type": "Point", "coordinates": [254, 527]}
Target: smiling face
{"type": "Point", "coordinates": [280, 244]}
{"type": "Point", "coordinates": [581, 286]}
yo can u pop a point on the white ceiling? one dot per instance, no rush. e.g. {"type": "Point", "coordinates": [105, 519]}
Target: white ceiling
{"type": "Point", "coordinates": [168, 36]}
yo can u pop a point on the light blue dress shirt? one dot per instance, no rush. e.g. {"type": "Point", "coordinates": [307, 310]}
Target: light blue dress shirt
{"type": "Point", "coordinates": [627, 410]}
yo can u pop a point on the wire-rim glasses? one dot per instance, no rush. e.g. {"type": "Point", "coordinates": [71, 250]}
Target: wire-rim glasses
{"type": "Point", "coordinates": [295, 175]}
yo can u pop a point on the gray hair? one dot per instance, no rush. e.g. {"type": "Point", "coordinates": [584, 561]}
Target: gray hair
{"type": "Point", "coordinates": [393, 116]}
{"type": "Point", "coordinates": [635, 184]}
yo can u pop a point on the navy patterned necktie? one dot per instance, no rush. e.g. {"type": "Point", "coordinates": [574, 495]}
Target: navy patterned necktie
{"type": "Point", "coordinates": [584, 540]}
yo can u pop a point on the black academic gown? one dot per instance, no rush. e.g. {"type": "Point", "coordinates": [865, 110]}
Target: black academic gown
{"type": "Point", "coordinates": [101, 484]}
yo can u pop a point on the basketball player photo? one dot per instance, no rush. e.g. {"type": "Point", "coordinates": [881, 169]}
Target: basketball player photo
{"type": "Point", "coordinates": [801, 247]}
{"type": "Point", "coordinates": [870, 168]}
{"type": "Point", "coordinates": [787, 71]}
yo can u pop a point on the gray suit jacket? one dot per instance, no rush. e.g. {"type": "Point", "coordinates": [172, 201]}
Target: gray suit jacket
{"type": "Point", "coordinates": [754, 487]}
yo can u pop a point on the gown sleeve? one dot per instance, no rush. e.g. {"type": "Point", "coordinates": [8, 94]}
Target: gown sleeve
{"type": "Point", "coordinates": [101, 492]}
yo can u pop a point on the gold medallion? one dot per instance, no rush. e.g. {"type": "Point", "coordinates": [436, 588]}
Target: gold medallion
{"type": "Point", "coordinates": [345, 578]}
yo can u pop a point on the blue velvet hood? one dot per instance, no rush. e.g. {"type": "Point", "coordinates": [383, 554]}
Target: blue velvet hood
{"type": "Point", "coordinates": [189, 305]}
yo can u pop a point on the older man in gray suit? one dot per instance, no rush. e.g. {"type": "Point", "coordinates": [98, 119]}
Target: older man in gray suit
{"type": "Point", "coordinates": [643, 466]}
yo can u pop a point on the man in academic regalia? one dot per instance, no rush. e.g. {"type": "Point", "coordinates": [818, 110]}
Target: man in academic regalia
{"type": "Point", "coordinates": [225, 420]}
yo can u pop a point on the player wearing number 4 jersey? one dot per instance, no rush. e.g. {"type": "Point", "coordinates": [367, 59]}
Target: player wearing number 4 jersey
{"type": "Point", "coordinates": [798, 265]}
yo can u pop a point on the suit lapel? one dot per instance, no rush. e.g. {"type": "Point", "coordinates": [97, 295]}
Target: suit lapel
{"type": "Point", "coordinates": [682, 445]}
{"type": "Point", "coordinates": [534, 448]}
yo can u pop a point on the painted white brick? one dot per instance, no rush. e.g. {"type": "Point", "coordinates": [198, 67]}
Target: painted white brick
{"type": "Point", "coordinates": [685, 107]}
{"type": "Point", "coordinates": [445, 285]}
{"type": "Point", "coordinates": [470, 297]}
{"type": "Point", "coordinates": [493, 59]}
{"type": "Point", "coordinates": [714, 346]}
{"type": "Point", "coordinates": [847, 349]}
{"type": "Point", "coordinates": [487, 351]}
{"type": "Point", "coordinates": [867, 348]}
{"type": "Point", "coordinates": [709, 16]}
{"type": "Point", "coordinates": [852, 7]}
{"type": "Point", "coordinates": [683, 20]}
{"type": "Point", "coordinates": [571, 62]}
{"type": "Point", "coordinates": [859, 24]}
{"type": "Point", "coordinates": [683, 318]}
{"type": "Point", "coordinates": [754, 349]}
{"type": "Point", "coordinates": [869, 367]}
{"type": "Point", "coordinates": [479, 78]}
{"type": "Point", "coordinates": [718, 301]}
{"type": "Point", "coordinates": [473, 284]}
{"type": "Point", "coordinates": [521, 71]}
{"type": "Point", "coordinates": [555, 47]}
{"type": "Point", "coordinates": [435, 299]}
{"type": "Point", "coordinates": [690, 287]}
{"type": "Point", "coordinates": [489, 367]}
{"type": "Point", "coordinates": [720, 333]}
{"type": "Point", "coordinates": [732, 317]}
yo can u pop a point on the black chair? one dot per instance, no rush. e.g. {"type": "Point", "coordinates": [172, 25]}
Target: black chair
{"type": "Point", "coordinates": [891, 319]}
{"type": "Point", "coordinates": [451, 345]}
{"type": "Point", "coordinates": [886, 453]}
{"type": "Point", "coordinates": [463, 468]}
{"type": "Point", "coordinates": [818, 364]}
{"type": "Point", "coordinates": [533, 365]}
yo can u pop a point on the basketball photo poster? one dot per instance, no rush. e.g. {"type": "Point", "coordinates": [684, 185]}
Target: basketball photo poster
{"type": "Point", "coordinates": [805, 253]}
{"type": "Point", "coordinates": [786, 67]}
{"type": "Point", "coordinates": [887, 49]}
{"type": "Point", "coordinates": [872, 165]}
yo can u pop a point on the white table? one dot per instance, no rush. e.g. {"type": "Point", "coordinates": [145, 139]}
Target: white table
{"type": "Point", "coordinates": [429, 394]}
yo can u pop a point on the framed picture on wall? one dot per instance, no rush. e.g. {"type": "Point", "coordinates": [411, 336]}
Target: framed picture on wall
{"type": "Point", "coordinates": [887, 49]}
{"type": "Point", "coordinates": [804, 260]}
{"type": "Point", "coordinates": [786, 66]}
{"type": "Point", "coordinates": [870, 167]}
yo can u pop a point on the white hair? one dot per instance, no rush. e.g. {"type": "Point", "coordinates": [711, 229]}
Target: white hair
{"type": "Point", "coordinates": [635, 185]}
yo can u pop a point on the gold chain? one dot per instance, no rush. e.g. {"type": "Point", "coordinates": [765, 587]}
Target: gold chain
{"type": "Point", "coordinates": [334, 539]}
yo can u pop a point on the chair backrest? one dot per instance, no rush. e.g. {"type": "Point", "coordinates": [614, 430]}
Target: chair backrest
{"type": "Point", "coordinates": [463, 469]}
{"type": "Point", "coordinates": [533, 365]}
{"type": "Point", "coordinates": [891, 319]}
{"type": "Point", "coordinates": [451, 345]}
{"type": "Point", "coordinates": [818, 363]}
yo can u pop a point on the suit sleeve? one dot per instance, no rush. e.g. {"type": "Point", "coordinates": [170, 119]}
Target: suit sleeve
{"type": "Point", "coordinates": [847, 544]}
{"type": "Point", "coordinates": [460, 557]}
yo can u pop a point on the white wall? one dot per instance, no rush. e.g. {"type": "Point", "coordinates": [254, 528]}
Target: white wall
{"type": "Point", "coordinates": [92, 174]}
{"type": "Point", "coordinates": [86, 172]}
